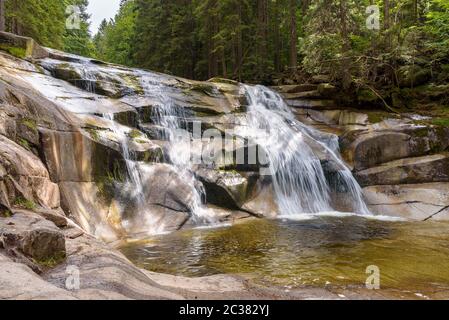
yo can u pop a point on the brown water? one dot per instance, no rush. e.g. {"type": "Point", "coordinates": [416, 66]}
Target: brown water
{"type": "Point", "coordinates": [321, 252]}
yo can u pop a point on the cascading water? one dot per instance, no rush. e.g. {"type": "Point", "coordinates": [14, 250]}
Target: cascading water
{"type": "Point", "coordinates": [299, 179]}
{"type": "Point", "coordinates": [132, 166]}
{"type": "Point", "coordinates": [172, 118]}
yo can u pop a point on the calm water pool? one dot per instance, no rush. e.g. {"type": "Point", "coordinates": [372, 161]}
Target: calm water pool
{"type": "Point", "coordinates": [321, 251]}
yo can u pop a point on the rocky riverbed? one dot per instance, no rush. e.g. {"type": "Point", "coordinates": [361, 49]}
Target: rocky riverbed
{"type": "Point", "coordinates": [65, 193]}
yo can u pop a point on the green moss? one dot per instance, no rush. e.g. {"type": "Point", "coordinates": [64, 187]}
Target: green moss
{"type": "Point", "coordinates": [207, 89]}
{"type": "Point", "coordinates": [51, 262]}
{"type": "Point", "coordinates": [29, 123]}
{"type": "Point", "coordinates": [223, 80]}
{"type": "Point", "coordinates": [441, 122]}
{"type": "Point", "coordinates": [375, 117]}
{"type": "Point", "coordinates": [134, 134]}
{"type": "Point", "coordinates": [93, 134]}
{"type": "Point", "coordinates": [24, 144]}
{"type": "Point", "coordinates": [24, 203]}
{"type": "Point", "coordinates": [14, 51]}
{"type": "Point", "coordinates": [6, 213]}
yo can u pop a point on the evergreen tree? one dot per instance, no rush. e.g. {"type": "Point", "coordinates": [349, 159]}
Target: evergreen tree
{"type": "Point", "coordinates": [78, 41]}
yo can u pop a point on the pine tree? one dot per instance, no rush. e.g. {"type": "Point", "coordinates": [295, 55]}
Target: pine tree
{"type": "Point", "coordinates": [78, 41]}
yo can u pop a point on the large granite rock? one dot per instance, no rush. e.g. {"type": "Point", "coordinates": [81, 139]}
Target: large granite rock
{"type": "Point", "coordinates": [227, 189]}
{"type": "Point", "coordinates": [434, 168]}
{"type": "Point", "coordinates": [23, 177]}
{"type": "Point", "coordinates": [34, 237]}
{"type": "Point", "coordinates": [365, 149]}
{"type": "Point", "coordinates": [23, 47]}
{"type": "Point", "coordinates": [412, 201]}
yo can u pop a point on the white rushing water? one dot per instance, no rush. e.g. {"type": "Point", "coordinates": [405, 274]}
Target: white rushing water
{"type": "Point", "coordinates": [298, 177]}
{"type": "Point", "coordinates": [305, 166]}
{"type": "Point", "coordinates": [168, 115]}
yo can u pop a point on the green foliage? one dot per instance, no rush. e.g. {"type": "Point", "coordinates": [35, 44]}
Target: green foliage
{"type": "Point", "coordinates": [133, 134]}
{"type": "Point", "coordinates": [51, 262]}
{"type": "Point", "coordinates": [45, 22]}
{"type": "Point", "coordinates": [115, 38]}
{"type": "Point", "coordinates": [93, 134]}
{"type": "Point", "coordinates": [30, 123]}
{"type": "Point", "coordinates": [42, 20]}
{"type": "Point", "coordinates": [24, 203]}
{"type": "Point", "coordinates": [14, 51]}
{"type": "Point", "coordinates": [24, 144]}
{"type": "Point", "coordinates": [78, 41]}
{"type": "Point", "coordinates": [441, 122]}
{"type": "Point", "coordinates": [200, 39]}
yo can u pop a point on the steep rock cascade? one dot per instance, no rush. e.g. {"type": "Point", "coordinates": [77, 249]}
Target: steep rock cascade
{"type": "Point", "coordinates": [297, 172]}
{"type": "Point", "coordinates": [128, 163]}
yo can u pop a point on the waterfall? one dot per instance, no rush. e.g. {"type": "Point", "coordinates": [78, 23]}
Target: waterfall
{"type": "Point", "coordinates": [132, 166]}
{"type": "Point", "coordinates": [167, 114]}
{"type": "Point", "coordinates": [299, 179]}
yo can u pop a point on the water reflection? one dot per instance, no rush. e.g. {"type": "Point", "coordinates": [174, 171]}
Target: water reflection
{"type": "Point", "coordinates": [319, 251]}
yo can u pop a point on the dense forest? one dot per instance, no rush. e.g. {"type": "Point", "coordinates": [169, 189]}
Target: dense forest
{"type": "Point", "coordinates": [374, 45]}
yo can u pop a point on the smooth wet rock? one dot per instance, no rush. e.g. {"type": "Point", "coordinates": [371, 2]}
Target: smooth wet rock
{"type": "Point", "coordinates": [365, 149]}
{"type": "Point", "coordinates": [73, 156]}
{"type": "Point", "coordinates": [434, 168]}
{"type": "Point", "coordinates": [295, 88]}
{"type": "Point", "coordinates": [227, 189]}
{"type": "Point", "coordinates": [411, 201]}
{"type": "Point", "coordinates": [312, 104]}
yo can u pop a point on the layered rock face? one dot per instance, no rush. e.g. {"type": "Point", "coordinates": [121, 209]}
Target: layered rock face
{"type": "Point", "coordinates": [94, 141]}
{"type": "Point", "coordinates": [402, 164]}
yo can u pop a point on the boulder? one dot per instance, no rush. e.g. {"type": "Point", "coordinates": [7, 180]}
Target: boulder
{"type": "Point", "coordinates": [411, 201]}
{"type": "Point", "coordinates": [21, 47]}
{"type": "Point", "coordinates": [74, 156]}
{"type": "Point", "coordinates": [33, 236]}
{"type": "Point", "coordinates": [326, 90]}
{"type": "Point", "coordinates": [227, 189]}
{"type": "Point", "coordinates": [434, 168]}
{"type": "Point", "coordinates": [320, 78]}
{"type": "Point", "coordinates": [296, 88]}
{"type": "Point", "coordinates": [302, 95]}
{"type": "Point", "coordinates": [365, 149]}
{"type": "Point", "coordinates": [24, 179]}
{"type": "Point", "coordinates": [312, 104]}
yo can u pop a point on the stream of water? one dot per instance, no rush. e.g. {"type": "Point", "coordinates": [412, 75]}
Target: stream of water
{"type": "Point", "coordinates": [324, 251]}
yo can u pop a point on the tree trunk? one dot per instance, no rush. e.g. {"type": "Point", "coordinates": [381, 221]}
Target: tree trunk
{"type": "Point", "coordinates": [277, 36]}
{"type": "Point", "coordinates": [344, 33]}
{"type": "Point", "coordinates": [262, 29]}
{"type": "Point", "coordinates": [2, 15]}
{"type": "Point", "coordinates": [293, 36]}
{"type": "Point", "coordinates": [239, 44]}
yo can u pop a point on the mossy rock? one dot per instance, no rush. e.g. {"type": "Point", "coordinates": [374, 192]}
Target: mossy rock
{"type": "Point", "coordinates": [14, 51]}
{"type": "Point", "coordinates": [223, 80]}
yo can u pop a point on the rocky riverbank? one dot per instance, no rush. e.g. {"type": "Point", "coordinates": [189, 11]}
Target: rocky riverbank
{"type": "Point", "coordinates": [63, 172]}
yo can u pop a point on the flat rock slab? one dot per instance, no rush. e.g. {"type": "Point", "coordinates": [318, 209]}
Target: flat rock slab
{"type": "Point", "coordinates": [36, 238]}
{"type": "Point", "coordinates": [410, 201]}
{"type": "Point", "coordinates": [433, 168]}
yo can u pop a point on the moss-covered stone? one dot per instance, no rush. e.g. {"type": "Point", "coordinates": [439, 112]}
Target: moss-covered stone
{"type": "Point", "coordinates": [14, 51]}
